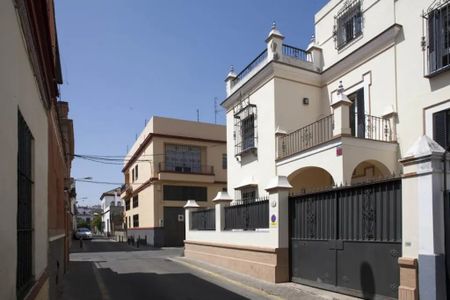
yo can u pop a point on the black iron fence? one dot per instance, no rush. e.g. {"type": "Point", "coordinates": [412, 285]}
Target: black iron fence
{"type": "Point", "coordinates": [260, 58]}
{"type": "Point", "coordinates": [247, 214]}
{"type": "Point", "coordinates": [296, 53]}
{"type": "Point", "coordinates": [306, 137]}
{"type": "Point", "coordinates": [204, 219]}
{"type": "Point", "coordinates": [192, 168]}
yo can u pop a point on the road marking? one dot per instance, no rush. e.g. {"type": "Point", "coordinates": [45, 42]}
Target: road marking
{"type": "Point", "coordinates": [234, 282]}
{"type": "Point", "coordinates": [101, 284]}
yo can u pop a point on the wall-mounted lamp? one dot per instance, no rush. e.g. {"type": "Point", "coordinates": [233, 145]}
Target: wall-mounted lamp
{"type": "Point", "coordinates": [305, 101]}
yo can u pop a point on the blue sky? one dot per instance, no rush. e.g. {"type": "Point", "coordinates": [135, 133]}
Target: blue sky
{"type": "Point", "coordinates": [125, 61]}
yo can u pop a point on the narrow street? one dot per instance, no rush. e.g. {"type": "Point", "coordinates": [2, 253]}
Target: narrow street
{"type": "Point", "coordinates": [108, 270]}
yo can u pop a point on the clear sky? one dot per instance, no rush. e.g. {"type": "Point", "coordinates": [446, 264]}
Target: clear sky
{"type": "Point", "coordinates": [125, 61]}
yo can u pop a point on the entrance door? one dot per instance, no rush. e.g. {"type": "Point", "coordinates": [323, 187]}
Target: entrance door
{"type": "Point", "coordinates": [348, 240]}
{"type": "Point", "coordinates": [174, 230]}
{"type": "Point", "coordinates": [358, 114]}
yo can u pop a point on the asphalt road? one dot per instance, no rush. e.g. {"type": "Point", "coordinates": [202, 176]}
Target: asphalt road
{"type": "Point", "coordinates": [107, 270]}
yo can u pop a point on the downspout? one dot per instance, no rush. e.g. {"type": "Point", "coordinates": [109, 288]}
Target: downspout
{"type": "Point", "coordinates": [446, 224]}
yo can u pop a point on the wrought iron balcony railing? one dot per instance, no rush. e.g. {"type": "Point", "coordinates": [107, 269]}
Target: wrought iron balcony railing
{"type": "Point", "coordinates": [306, 137]}
{"type": "Point", "coordinates": [189, 168]}
{"type": "Point", "coordinates": [363, 127]}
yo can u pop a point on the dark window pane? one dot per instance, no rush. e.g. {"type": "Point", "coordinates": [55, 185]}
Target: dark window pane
{"type": "Point", "coordinates": [440, 128]}
{"type": "Point", "coordinates": [184, 193]}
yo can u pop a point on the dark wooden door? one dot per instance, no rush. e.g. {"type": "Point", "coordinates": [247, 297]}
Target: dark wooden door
{"type": "Point", "coordinates": [174, 228]}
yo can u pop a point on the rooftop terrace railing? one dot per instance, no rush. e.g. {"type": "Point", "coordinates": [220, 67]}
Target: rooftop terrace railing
{"type": "Point", "coordinates": [287, 50]}
{"type": "Point", "coordinates": [297, 53]}
{"type": "Point", "coordinates": [260, 58]}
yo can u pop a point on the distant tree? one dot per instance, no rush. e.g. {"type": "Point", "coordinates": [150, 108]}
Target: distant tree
{"type": "Point", "coordinates": [97, 223]}
{"type": "Point", "coordinates": [83, 224]}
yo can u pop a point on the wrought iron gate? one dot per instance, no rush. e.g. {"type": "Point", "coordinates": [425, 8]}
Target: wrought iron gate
{"type": "Point", "coordinates": [348, 239]}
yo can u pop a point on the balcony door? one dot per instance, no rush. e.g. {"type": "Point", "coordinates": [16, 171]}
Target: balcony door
{"type": "Point", "coordinates": [357, 114]}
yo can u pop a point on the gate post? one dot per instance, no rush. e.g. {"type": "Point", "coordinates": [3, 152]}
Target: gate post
{"type": "Point", "coordinates": [222, 199]}
{"type": "Point", "coordinates": [422, 267]}
{"type": "Point", "coordinates": [278, 190]}
{"type": "Point", "coordinates": [191, 205]}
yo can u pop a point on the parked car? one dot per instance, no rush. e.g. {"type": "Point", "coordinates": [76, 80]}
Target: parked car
{"type": "Point", "coordinates": [84, 233]}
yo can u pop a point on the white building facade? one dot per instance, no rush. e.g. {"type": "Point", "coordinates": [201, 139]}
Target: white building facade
{"type": "Point", "coordinates": [111, 205]}
{"type": "Point", "coordinates": [355, 127]}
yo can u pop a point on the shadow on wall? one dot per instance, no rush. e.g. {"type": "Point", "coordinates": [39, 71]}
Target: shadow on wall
{"type": "Point", "coordinates": [367, 281]}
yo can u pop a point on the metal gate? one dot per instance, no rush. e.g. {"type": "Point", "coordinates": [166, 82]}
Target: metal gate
{"type": "Point", "coordinates": [348, 239]}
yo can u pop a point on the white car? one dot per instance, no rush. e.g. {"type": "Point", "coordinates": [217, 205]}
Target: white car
{"type": "Point", "coordinates": [83, 233]}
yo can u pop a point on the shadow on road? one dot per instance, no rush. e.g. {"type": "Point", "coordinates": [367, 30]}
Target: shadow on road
{"type": "Point", "coordinates": [105, 245]}
{"type": "Point", "coordinates": [82, 283]}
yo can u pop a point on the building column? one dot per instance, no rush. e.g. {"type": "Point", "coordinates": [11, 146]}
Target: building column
{"type": "Point", "coordinates": [221, 201]}
{"type": "Point", "coordinates": [422, 267]}
{"type": "Point", "coordinates": [191, 205]}
{"type": "Point", "coordinates": [341, 113]}
{"type": "Point", "coordinates": [278, 190]}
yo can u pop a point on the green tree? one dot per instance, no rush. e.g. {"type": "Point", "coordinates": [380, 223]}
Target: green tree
{"type": "Point", "coordinates": [97, 223]}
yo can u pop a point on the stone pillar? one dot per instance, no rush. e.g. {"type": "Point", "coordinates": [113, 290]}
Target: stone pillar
{"type": "Point", "coordinates": [341, 113]}
{"type": "Point", "coordinates": [229, 80]}
{"type": "Point", "coordinates": [391, 117]}
{"type": "Point", "coordinates": [280, 145]}
{"type": "Point", "coordinates": [221, 201]}
{"type": "Point", "coordinates": [315, 54]}
{"type": "Point", "coordinates": [274, 43]}
{"type": "Point", "coordinates": [423, 236]}
{"type": "Point", "coordinates": [278, 190]}
{"type": "Point", "coordinates": [191, 205]}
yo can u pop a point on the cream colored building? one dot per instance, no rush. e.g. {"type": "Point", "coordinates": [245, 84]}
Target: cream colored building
{"type": "Point", "coordinates": [29, 74]}
{"type": "Point", "coordinates": [354, 112]}
{"type": "Point", "coordinates": [171, 161]}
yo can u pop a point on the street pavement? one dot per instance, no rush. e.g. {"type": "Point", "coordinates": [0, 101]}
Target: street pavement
{"type": "Point", "coordinates": [108, 270]}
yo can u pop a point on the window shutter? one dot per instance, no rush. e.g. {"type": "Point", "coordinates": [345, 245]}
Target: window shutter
{"type": "Point", "coordinates": [440, 128]}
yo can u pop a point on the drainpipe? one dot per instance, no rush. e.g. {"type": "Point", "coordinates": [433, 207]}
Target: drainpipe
{"type": "Point", "coordinates": [446, 223]}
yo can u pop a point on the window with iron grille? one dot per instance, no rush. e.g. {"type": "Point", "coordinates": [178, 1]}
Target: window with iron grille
{"type": "Point", "coordinates": [224, 161]}
{"type": "Point", "coordinates": [127, 204]}
{"type": "Point", "coordinates": [441, 128]}
{"type": "Point", "coordinates": [249, 194]}
{"type": "Point", "coordinates": [184, 193]}
{"type": "Point", "coordinates": [438, 29]}
{"type": "Point", "coordinates": [24, 274]}
{"type": "Point", "coordinates": [136, 201]}
{"type": "Point", "coordinates": [135, 220]}
{"type": "Point", "coordinates": [348, 23]}
{"type": "Point", "coordinates": [245, 131]}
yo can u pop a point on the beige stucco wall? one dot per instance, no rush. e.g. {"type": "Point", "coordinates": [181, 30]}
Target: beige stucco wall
{"type": "Point", "coordinates": [151, 203]}
{"type": "Point", "coordinates": [18, 91]}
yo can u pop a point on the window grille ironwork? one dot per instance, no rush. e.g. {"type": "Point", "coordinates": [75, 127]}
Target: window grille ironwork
{"type": "Point", "coordinates": [136, 201]}
{"type": "Point", "coordinates": [183, 158]}
{"type": "Point", "coordinates": [348, 23]}
{"type": "Point", "coordinates": [245, 127]}
{"type": "Point", "coordinates": [136, 220]}
{"type": "Point", "coordinates": [437, 21]}
{"type": "Point", "coordinates": [24, 208]}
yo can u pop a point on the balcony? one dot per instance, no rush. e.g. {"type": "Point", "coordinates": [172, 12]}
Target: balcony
{"type": "Point", "coordinates": [287, 54]}
{"type": "Point", "coordinates": [185, 172]}
{"type": "Point", "coordinates": [322, 131]}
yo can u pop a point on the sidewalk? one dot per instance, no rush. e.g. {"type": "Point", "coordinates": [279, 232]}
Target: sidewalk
{"type": "Point", "coordinates": [286, 290]}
